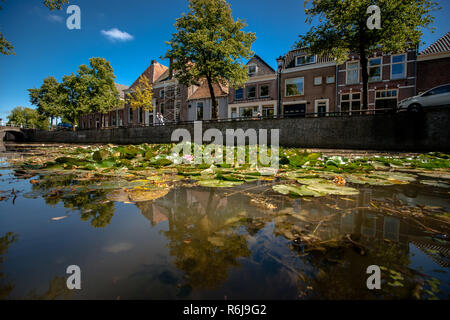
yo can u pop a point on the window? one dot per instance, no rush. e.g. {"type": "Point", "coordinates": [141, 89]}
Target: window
{"type": "Point", "coordinates": [130, 115]}
{"type": "Point", "coordinates": [398, 67]}
{"type": "Point", "coordinates": [353, 72]}
{"type": "Point", "coordinates": [239, 94]}
{"type": "Point", "coordinates": [247, 112]}
{"type": "Point", "coordinates": [294, 87]}
{"type": "Point", "coordinates": [234, 113]}
{"type": "Point", "coordinates": [252, 69]}
{"type": "Point", "coordinates": [161, 108]}
{"type": "Point", "coordinates": [251, 92]}
{"type": "Point", "coordinates": [161, 94]}
{"type": "Point", "coordinates": [385, 100]}
{"type": "Point", "coordinates": [438, 90]}
{"type": "Point", "coordinates": [374, 69]}
{"type": "Point", "coordinates": [200, 111]}
{"type": "Point", "coordinates": [177, 111]}
{"type": "Point", "coordinates": [264, 91]}
{"type": "Point", "coordinates": [350, 102]}
{"type": "Point", "coordinates": [303, 60]}
{"type": "Point", "coordinates": [330, 79]}
{"type": "Point", "coordinates": [317, 81]}
{"type": "Point", "coordinates": [268, 111]}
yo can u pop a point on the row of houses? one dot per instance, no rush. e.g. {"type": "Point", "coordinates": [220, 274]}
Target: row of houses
{"type": "Point", "coordinates": [303, 84]}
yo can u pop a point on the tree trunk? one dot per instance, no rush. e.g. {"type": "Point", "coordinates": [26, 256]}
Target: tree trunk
{"type": "Point", "coordinates": [51, 123]}
{"type": "Point", "coordinates": [213, 99]}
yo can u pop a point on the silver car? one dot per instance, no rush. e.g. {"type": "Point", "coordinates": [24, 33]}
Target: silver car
{"type": "Point", "coordinates": [438, 96]}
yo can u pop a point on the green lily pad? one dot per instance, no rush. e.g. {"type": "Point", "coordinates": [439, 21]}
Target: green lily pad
{"type": "Point", "coordinates": [330, 188]}
{"type": "Point", "coordinates": [214, 183]}
{"type": "Point", "coordinates": [434, 183]}
{"type": "Point", "coordinates": [312, 181]}
{"type": "Point", "coordinates": [292, 189]}
{"type": "Point", "coordinates": [364, 179]}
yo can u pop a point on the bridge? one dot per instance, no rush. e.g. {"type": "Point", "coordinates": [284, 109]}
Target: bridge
{"type": "Point", "coordinates": [17, 132]}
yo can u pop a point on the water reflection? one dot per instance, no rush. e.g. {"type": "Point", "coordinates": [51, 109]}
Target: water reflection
{"type": "Point", "coordinates": [5, 286]}
{"type": "Point", "coordinates": [213, 237]}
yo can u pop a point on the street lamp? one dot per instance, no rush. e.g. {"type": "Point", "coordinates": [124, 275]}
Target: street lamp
{"type": "Point", "coordinates": [280, 63]}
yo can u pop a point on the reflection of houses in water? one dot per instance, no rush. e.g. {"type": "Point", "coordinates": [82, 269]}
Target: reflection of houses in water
{"type": "Point", "coordinates": [438, 253]}
{"type": "Point", "coordinates": [201, 202]}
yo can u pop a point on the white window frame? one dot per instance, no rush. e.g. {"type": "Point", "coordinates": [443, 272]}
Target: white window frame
{"type": "Point", "coordinates": [332, 77]}
{"type": "Point", "coordinates": [250, 66]}
{"type": "Point", "coordinates": [286, 84]}
{"type": "Point", "coordinates": [256, 92]}
{"type": "Point", "coordinates": [196, 110]}
{"type": "Point", "coordinates": [376, 66]}
{"type": "Point", "coordinates": [318, 84]}
{"type": "Point", "coordinates": [347, 71]}
{"type": "Point", "coordinates": [243, 94]}
{"type": "Point", "coordinates": [350, 101]}
{"type": "Point", "coordinates": [161, 93]}
{"type": "Point", "coordinates": [268, 91]}
{"type": "Point", "coordinates": [405, 65]}
{"type": "Point", "coordinates": [304, 64]}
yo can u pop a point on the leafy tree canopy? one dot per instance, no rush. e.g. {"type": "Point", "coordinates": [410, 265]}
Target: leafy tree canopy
{"type": "Point", "coordinates": [142, 95]}
{"type": "Point", "coordinates": [27, 117]}
{"type": "Point", "coordinates": [209, 44]}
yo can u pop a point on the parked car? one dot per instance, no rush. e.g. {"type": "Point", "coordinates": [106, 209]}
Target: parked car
{"type": "Point", "coordinates": [438, 96]}
{"type": "Point", "coordinates": [64, 126]}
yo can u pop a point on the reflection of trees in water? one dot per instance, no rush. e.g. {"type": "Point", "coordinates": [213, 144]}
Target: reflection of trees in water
{"type": "Point", "coordinates": [57, 290]}
{"type": "Point", "coordinates": [203, 235]}
{"type": "Point", "coordinates": [75, 195]}
{"type": "Point", "coordinates": [5, 287]}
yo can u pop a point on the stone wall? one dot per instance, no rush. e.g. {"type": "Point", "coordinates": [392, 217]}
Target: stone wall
{"type": "Point", "coordinates": [428, 131]}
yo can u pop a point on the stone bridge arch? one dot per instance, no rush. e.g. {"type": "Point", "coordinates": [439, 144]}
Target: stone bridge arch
{"type": "Point", "coordinates": [18, 134]}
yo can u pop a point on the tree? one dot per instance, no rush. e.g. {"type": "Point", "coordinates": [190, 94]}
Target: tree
{"type": "Point", "coordinates": [48, 99]}
{"type": "Point", "coordinates": [27, 117]}
{"type": "Point", "coordinates": [91, 90]}
{"type": "Point", "coordinates": [142, 95]}
{"type": "Point", "coordinates": [210, 45]}
{"type": "Point", "coordinates": [6, 47]}
{"type": "Point", "coordinates": [101, 93]}
{"type": "Point", "coordinates": [343, 29]}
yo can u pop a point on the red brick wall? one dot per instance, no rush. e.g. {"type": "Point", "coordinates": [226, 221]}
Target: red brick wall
{"type": "Point", "coordinates": [432, 73]}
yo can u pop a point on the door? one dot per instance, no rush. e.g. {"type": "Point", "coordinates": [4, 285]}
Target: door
{"type": "Point", "coordinates": [321, 107]}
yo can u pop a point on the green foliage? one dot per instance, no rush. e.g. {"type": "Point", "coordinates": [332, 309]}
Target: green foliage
{"type": "Point", "coordinates": [55, 4]}
{"type": "Point", "coordinates": [27, 117]}
{"type": "Point", "coordinates": [143, 95]}
{"type": "Point", "coordinates": [342, 28]}
{"type": "Point", "coordinates": [210, 45]}
{"type": "Point", "coordinates": [48, 98]}
{"type": "Point", "coordinates": [91, 90]}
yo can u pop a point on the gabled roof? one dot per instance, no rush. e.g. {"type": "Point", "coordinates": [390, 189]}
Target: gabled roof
{"type": "Point", "coordinates": [440, 46]}
{"type": "Point", "coordinates": [121, 88]}
{"type": "Point", "coordinates": [263, 62]}
{"type": "Point", "coordinates": [289, 58]}
{"type": "Point", "coordinates": [153, 72]}
{"type": "Point", "coordinates": [202, 91]}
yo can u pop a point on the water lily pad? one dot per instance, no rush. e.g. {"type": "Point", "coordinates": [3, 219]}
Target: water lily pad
{"type": "Point", "coordinates": [302, 191]}
{"type": "Point", "coordinates": [434, 183]}
{"type": "Point", "coordinates": [364, 179]}
{"type": "Point", "coordinates": [312, 181]}
{"type": "Point", "coordinates": [214, 183]}
{"type": "Point", "coordinates": [438, 175]}
{"type": "Point", "coordinates": [329, 188]}
{"type": "Point", "coordinates": [142, 195]}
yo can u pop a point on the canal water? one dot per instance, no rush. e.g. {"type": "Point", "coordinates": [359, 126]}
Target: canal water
{"type": "Point", "coordinates": [205, 243]}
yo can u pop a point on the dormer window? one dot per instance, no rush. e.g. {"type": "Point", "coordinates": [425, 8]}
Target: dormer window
{"type": "Point", "coordinates": [303, 60]}
{"type": "Point", "coordinates": [252, 69]}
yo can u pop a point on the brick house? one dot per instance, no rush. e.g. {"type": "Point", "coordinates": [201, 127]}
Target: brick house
{"type": "Point", "coordinates": [199, 102]}
{"type": "Point", "coordinates": [434, 64]}
{"type": "Point", "coordinates": [392, 78]}
{"type": "Point", "coordinates": [154, 73]}
{"type": "Point", "coordinates": [259, 96]}
{"type": "Point", "coordinates": [307, 83]}
{"type": "Point", "coordinates": [113, 118]}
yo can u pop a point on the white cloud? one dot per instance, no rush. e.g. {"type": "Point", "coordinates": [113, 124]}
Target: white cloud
{"type": "Point", "coordinates": [119, 247]}
{"type": "Point", "coordinates": [116, 35]}
{"type": "Point", "coordinates": [55, 18]}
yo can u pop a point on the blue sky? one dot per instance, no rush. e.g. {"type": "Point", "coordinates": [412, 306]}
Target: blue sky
{"type": "Point", "coordinates": [44, 46]}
